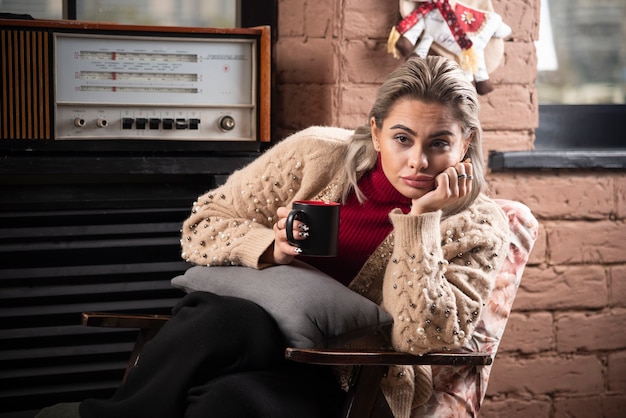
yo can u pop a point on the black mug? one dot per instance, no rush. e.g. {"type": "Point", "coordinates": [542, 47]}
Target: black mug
{"type": "Point", "coordinates": [322, 218]}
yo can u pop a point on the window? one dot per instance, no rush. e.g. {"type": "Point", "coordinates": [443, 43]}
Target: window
{"type": "Point", "coordinates": [581, 86]}
{"type": "Point", "coordinates": [208, 13]}
{"type": "Point", "coordinates": [203, 13]}
{"type": "Point", "coordinates": [39, 9]}
{"type": "Point", "coordinates": [214, 13]}
{"type": "Point", "coordinates": [581, 80]}
{"type": "Point", "coordinates": [582, 52]}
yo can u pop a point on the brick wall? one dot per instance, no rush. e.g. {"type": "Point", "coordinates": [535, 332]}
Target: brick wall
{"type": "Point", "coordinates": [564, 351]}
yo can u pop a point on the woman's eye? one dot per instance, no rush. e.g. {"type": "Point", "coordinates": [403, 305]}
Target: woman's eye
{"type": "Point", "coordinates": [439, 143]}
{"type": "Point", "coordinates": [403, 139]}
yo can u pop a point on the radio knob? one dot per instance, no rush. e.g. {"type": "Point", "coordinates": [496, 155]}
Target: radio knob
{"type": "Point", "coordinates": [227, 123]}
{"type": "Point", "coordinates": [102, 123]}
{"type": "Point", "coordinates": [79, 122]}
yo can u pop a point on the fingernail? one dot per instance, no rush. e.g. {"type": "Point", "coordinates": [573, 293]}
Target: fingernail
{"type": "Point", "coordinates": [303, 227]}
{"type": "Point", "coordinates": [303, 234]}
{"type": "Point", "coordinates": [297, 250]}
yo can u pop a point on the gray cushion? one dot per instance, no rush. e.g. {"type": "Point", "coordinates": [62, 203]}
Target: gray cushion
{"type": "Point", "coordinates": [311, 308]}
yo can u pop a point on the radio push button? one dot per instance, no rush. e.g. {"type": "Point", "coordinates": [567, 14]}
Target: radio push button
{"type": "Point", "coordinates": [127, 123]}
{"type": "Point", "coordinates": [141, 123]}
{"type": "Point", "coordinates": [168, 123]}
{"type": "Point", "coordinates": [181, 124]}
{"type": "Point", "coordinates": [193, 123]}
{"type": "Point", "coordinates": [154, 123]}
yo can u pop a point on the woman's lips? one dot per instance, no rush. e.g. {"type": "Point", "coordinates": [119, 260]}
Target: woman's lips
{"type": "Point", "coordinates": [419, 182]}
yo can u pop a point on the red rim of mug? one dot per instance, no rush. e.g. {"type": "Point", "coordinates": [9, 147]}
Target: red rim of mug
{"type": "Point", "coordinates": [316, 203]}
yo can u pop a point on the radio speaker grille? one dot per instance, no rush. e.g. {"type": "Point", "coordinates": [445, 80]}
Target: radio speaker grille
{"type": "Point", "coordinates": [25, 72]}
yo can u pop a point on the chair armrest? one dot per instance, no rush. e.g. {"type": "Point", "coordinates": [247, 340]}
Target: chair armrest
{"type": "Point", "coordinates": [384, 358]}
{"type": "Point", "coordinates": [115, 320]}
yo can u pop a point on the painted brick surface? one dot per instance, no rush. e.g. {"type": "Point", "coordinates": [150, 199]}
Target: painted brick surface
{"type": "Point", "coordinates": [311, 61]}
{"type": "Point", "coordinates": [569, 287]}
{"type": "Point", "coordinates": [518, 408]}
{"type": "Point", "coordinates": [620, 196]}
{"type": "Point", "coordinates": [546, 374]}
{"type": "Point", "coordinates": [366, 62]}
{"type": "Point", "coordinates": [583, 407]}
{"type": "Point", "coordinates": [520, 325]}
{"type": "Point", "coordinates": [617, 372]}
{"type": "Point", "coordinates": [495, 140]}
{"type": "Point", "coordinates": [589, 332]}
{"type": "Point", "coordinates": [588, 242]}
{"type": "Point", "coordinates": [320, 18]}
{"type": "Point", "coordinates": [516, 55]}
{"type": "Point", "coordinates": [617, 286]}
{"type": "Point", "coordinates": [368, 18]}
{"type": "Point", "coordinates": [562, 195]}
{"type": "Point", "coordinates": [509, 107]}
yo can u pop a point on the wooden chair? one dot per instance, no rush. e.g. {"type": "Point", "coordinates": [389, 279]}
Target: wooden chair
{"type": "Point", "coordinates": [365, 398]}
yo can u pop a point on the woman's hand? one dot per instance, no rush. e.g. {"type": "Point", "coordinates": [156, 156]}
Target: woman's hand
{"type": "Point", "coordinates": [451, 185]}
{"type": "Point", "coordinates": [284, 252]}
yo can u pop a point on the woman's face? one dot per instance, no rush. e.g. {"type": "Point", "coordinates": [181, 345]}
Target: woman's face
{"type": "Point", "coordinates": [416, 142]}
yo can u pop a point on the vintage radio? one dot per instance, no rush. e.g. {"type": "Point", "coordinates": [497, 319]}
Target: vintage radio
{"type": "Point", "coordinates": [69, 80]}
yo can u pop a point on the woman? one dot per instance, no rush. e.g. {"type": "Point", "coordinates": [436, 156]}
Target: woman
{"type": "Point", "coordinates": [417, 235]}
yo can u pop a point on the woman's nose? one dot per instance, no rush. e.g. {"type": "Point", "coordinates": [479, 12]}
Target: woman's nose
{"type": "Point", "coordinates": [417, 159]}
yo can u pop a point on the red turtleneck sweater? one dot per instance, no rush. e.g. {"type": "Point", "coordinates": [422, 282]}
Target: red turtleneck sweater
{"type": "Point", "coordinates": [362, 226]}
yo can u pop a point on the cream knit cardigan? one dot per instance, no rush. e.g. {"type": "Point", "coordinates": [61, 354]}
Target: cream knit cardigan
{"type": "Point", "coordinates": [432, 274]}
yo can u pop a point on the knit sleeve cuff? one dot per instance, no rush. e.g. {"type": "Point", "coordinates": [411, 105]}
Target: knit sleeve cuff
{"type": "Point", "coordinates": [256, 242]}
{"type": "Point", "coordinates": [410, 230]}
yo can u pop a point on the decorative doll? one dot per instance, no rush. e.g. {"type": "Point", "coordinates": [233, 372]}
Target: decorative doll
{"type": "Point", "coordinates": [471, 33]}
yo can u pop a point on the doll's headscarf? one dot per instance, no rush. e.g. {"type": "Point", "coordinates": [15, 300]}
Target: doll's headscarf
{"type": "Point", "coordinates": [467, 58]}
{"type": "Point", "coordinates": [448, 14]}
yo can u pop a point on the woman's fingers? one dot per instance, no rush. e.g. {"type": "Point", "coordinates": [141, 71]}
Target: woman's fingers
{"type": "Point", "coordinates": [464, 177]}
{"type": "Point", "coordinates": [283, 249]}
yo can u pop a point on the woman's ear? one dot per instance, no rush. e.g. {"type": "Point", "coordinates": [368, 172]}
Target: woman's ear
{"type": "Point", "coordinates": [374, 131]}
{"type": "Point", "coordinates": [466, 145]}
{"type": "Point", "coordinates": [465, 150]}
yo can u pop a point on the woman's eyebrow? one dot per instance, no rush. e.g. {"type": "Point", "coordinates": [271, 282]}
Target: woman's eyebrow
{"type": "Point", "coordinates": [443, 132]}
{"type": "Point", "coordinates": [404, 128]}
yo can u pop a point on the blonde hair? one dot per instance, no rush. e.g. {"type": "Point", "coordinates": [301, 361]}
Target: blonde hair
{"type": "Point", "coordinates": [433, 79]}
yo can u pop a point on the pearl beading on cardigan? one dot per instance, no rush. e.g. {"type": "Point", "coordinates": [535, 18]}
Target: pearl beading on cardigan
{"type": "Point", "coordinates": [442, 304]}
{"type": "Point", "coordinates": [216, 226]}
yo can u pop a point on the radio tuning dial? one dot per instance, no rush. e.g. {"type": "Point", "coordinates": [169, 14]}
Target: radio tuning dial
{"type": "Point", "coordinates": [227, 123]}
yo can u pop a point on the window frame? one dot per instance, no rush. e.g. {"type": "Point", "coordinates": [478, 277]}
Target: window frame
{"type": "Point", "coordinates": [251, 12]}
{"type": "Point", "coordinates": [578, 137]}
